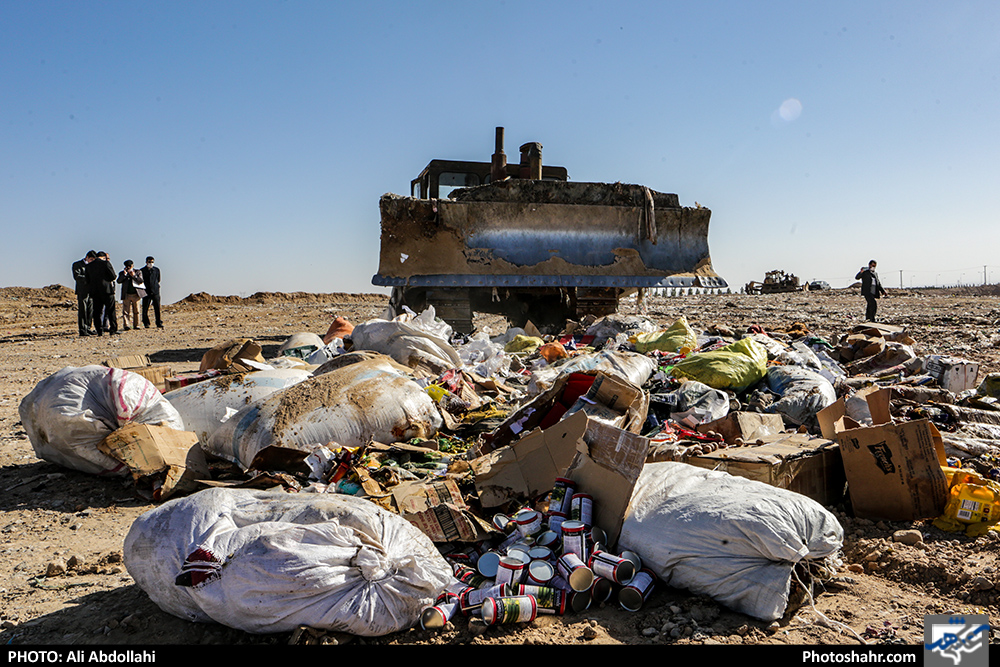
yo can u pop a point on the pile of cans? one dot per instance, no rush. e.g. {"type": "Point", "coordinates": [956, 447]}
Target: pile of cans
{"type": "Point", "coordinates": [547, 563]}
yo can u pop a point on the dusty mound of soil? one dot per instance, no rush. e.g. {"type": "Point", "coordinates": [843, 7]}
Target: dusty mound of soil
{"type": "Point", "coordinates": [43, 297]}
{"type": "Point", "coordinates": [261, 298]}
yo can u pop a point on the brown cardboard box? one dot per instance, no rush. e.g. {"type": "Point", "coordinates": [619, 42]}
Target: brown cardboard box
{"type": "Point", "coordinates": [184, 379]}
{"type": "Point", "coordinates": [156, 374]}
{"type": "Point", "coordinates": [128, 361]}
{"type": "Point", "coordinates": [794, 461]}
{"type": "Point", "coordinates": [437, 509]}
{"type": "Point", "coordinates": [749, 426]}
{"type": "Point", "coordinates": [147, 450]}
{"type": "Point", "coordinates": [893, 470]}
{"type": "Point", "coordinates": [609, 398]}
{"type": "Point", "coordinates": [604, 460]}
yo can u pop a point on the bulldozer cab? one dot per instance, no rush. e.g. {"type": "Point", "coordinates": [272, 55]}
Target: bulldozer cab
{"type": "Point", "coordinates": [440, 177]}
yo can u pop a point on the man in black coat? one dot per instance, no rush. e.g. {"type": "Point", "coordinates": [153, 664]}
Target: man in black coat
{"type": "Point", "coordinates": [84, 304]}
{"type": "Point", "coordinates": [101, 278]}
{"type": "Point", "coordinates": [871, 289]}
{"type": "Point", "coordinates": [151, 279]}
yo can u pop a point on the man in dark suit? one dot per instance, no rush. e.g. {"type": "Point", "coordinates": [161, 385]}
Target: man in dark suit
{"type": "Point", "coordinates": [101, 279]}
{"type": "Point", "coordinates": [84, 304]}
{"type": "Point", "coordinates": [151, 279]}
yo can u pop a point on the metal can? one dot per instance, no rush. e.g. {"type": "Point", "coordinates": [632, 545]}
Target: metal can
{"type": "Point", "coordinates": [434, 618]}
{"type": "Point", "coordinates": [549, 539]}
{"type": "Point", "coordinates": [582, 509]}
{"type": "Point", "coordinates": [556, 520]}
{"type": "Point", "coordinates": [469, 576]}
{"type": "Point", "coordinates": [632, 596]}
{"type": "Point", "coordinates": [573, 570]}
{"type": "Point", "coordinates": [602, 589]}
{"type": "Point", "coordinates": [511, 568]}
{"type": "Point", "coordinates": [540, 572]}
{"type": "Point", "coordinates": [452, 591]}
{"type": "Point", "coordinates": [612, 567]}
{"type": "Point", "coordinates": [504, 524]}
{"type": "Point", "coordinates": [472, 600]}
{"type": "Point", "coordinates": [516, 609]}
{"type": "Point", "coordinates": [529, 522]}
{"type": "Point", "coordinates": [574, 539]}
{"type": "Point", "coordinates": [487, 564]}
{"type": "Point", "coordinates": [550, 600]}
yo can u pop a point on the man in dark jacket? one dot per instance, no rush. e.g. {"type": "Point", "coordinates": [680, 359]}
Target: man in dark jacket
{"type": "Point", "coordinates": [84, 304]}
{"type": "Point", "coordinates": [871, 289]}
{"type": "Point", "coordinates": [101, 278]}
{"type": "Point", "coordinates": [151, 279]}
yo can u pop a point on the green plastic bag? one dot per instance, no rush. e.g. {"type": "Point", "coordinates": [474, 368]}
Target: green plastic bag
{"type": "Point", "coordinates": [735, 366]}
{"type": "Point", "coordinates": [677, 335]}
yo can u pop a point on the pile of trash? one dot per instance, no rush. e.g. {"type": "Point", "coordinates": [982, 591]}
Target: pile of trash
{"type": "Point", "coordinates": [391, 473]}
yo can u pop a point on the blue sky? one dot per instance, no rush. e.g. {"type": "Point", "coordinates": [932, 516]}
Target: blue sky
{"type": "Point", "coordinates": [246, 144]}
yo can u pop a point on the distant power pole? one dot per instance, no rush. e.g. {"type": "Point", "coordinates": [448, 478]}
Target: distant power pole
{"type": "Point", "coordinates": [984, 274]}
{"type": "Point", "coordinates": [900, 279]}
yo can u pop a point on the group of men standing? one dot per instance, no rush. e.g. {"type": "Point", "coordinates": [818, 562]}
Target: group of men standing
{"type": "Point", "coordinates": [95, 294]}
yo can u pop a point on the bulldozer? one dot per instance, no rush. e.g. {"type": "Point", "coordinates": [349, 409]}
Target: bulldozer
{"type": "Point", "coordinates": [774, 282]}
{"type": "Point", "coordinates": [523, 241]}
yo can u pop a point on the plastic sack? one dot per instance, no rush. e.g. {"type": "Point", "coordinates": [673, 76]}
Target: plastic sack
{"type": "Point", "coordinates": [523, 344]}
{"type": "Point", "coordinates": [206, 406]}
{"type": "Point", "coordinates": [678, 335]}
{"type": "Point", "coordinates": [733, 539]}
{"type": "Point", "coordinates": [373, 398]}
{"type": "Point", "coordinates": [803, 392]}
{"type": "Point", "coordinates": [693, 403]}
{"type": "Point", "coordinates": [270, 562]}
{"type": "Point", "coordinates": [635, 368]}
{"type": "Point", "coordinates": [484, 357]}
{"type": "Point", "coordinates": [609, 327]}
{"type": "Point", "coordinates": [735, 366]}
{"type": "Point", "coordinates": [408, 339]}
{"type": "Point", "coordinates": [300, 345]}
{"type": "Point", "coordinates": [70, 412]}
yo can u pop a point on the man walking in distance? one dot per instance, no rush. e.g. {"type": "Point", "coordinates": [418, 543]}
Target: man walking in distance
{"type": "Point", "coordinates": [151, 279]}
{"type": "Point", "coordinates": [84, 304]}
{"type": "Point", "coordinates": [101, 278]}
{"type": "Point", "coordinates": [131, 283]}
{"type": "Point", "coordinates": [871, 289]}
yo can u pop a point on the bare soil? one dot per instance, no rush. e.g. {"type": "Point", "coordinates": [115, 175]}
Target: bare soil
{"type": "Point", "coordinates": [61, 531]}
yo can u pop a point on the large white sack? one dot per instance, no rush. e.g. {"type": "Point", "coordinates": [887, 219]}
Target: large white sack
{"type": "Point", "coordinates": [271, 562]}
{"type": "Point", "coordinates": [406, 339]}
{"type": "Point", "coordinates": [70, 412]}
{"type": "Point", "coordinates": [205, 406]}
{"type": "Point", "coordinates": [370, 399]}
{"type": "Point", "coordinates": [733, 539]}
{"type": "Point", "coordinates": [636, 368]}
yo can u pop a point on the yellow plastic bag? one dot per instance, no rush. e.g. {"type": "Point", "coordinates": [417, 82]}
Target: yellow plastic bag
{"type": "Point", "coordinates": [678, 335]}
{"type": "Point", "coordinates": [523, 344]}
{"type": "Point", "coordinates": [973, 504]}
{"type": "Point", "coordinates": [735, 366]}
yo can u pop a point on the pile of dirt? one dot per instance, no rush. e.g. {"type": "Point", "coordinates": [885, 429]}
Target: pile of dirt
{"type": "Point", "coordinates": [39, 296]}
{"type": "Point", "coordinates": [267, 298]}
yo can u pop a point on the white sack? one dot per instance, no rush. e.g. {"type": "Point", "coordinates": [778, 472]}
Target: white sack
{"type": "Point", "coordinates": [300, 345]}
{"type": "Point", "coordinates": [205, 406]}
{"type": "Point", "coordinates": [803, 392]}
{"type": "Point", "coordinates": [374, 398]}
{"type": "Point", "coordinates": [70, 412]}
{"type": "Point", "coordinates": [636, 368]}
{"type": "Point", "coordinates": [406, 337]}
{"type": "Point", "coordinates": [270, 562]}
{"type": "Point", "coordinates": [733, 539]}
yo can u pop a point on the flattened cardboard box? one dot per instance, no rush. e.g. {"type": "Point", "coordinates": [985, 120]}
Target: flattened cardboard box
{"type": "Point", "coordinates": [147, 449]}
{"type": "Point", "coordinates": [794, 461]}
{"type": "Point", "coordinates": [437, 509]}
{"type": "Point", "coordinates": [604, 460]}
{"type": "Point", "coordinates": [156, 374]}
{"type": "Point", "coordinates": [128, 361]}
{"type": "Point", "coordinates": [749, 426]}
{"type": "Point", "coordinates": [893, 470]}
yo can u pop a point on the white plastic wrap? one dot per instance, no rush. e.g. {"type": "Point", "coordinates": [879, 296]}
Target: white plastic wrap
{"type": "Point", "coordinates": [733, 539]}
{"type": "Point", "coordinates": [206, 406]}
{"type": "Point", "coordinates": [407, 337]}
{"type": "Point", "coordinates": [803, 392]}
{"type": "Point", "coordinates": [636, 368]}
{"type": "Point", "coordinates": [70, 412]}
{"type": "Point", "coordinates": [350, 405]}
{"type": "Point", "coordinates": [270, 562]}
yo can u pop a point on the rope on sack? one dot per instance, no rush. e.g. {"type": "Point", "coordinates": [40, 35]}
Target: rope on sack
{"type": "Point", "coordinates": [824, 620]}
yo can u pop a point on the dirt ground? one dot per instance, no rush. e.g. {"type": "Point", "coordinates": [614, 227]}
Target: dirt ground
{"type": "Point", "coordinates": [61, 532]}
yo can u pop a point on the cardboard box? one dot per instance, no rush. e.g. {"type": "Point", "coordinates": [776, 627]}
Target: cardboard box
{"type": "Point", "coordinates": [749, 426]}
{"type": "Point", "coordinates": [232, 355]}
{"type": "Point", "coordinates": [184, 379]}
{"type": "Point", "coordinates": [609, 398]}
{"type": "Point", "coordinates": [603, 459]}
{"type": "Point", "coordinates": [128, 362]}
{"type": "Point", "coordinates": [437, 509]}
{"type": "Point", "coordinates": [953, 374]}
{"type": "Point", "coordinates": [148, 450]}
{"type": "Point", "coordinates": [795, 461]}
{"type": "Point", "coordinates": [893, 470]}
{"type": "Point", "coordinates": [156, 374]}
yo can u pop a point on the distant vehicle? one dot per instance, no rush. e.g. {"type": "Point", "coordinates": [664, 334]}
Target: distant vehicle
{"type": "Point", "coordinates": [774, 282]}
{"type": "Point", "coordinates": [818, 285]}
